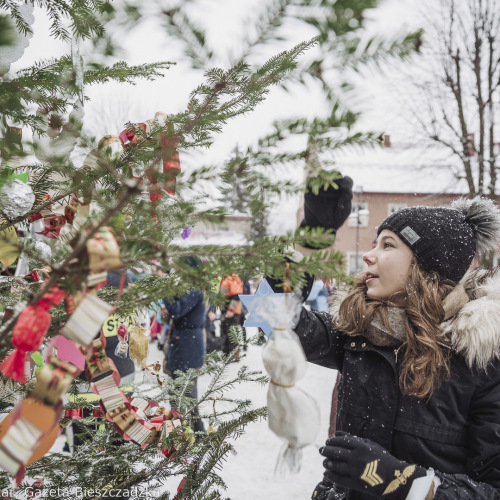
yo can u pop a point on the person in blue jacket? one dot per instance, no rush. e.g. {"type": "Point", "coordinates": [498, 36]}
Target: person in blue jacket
{"type": "Point", "coordinates": [186, 346]}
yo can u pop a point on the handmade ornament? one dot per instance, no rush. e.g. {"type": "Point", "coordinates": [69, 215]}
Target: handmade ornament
{"type": "Point", "coordinates": [97, 361]}
{"type": "Point", "coordinates": [8, 246]}
{"type": "Point", "coordinates": [121, 349]}
{"type": "Point", "coordinates": [53, 381]}
{"type": "Point", "coordinates": [186, 232]}
{"type": "Point", "coordinates": [29, 331]}
{"type": "Point", "coordinates": [168, 142]}
{"type": "Point", "coordinates": [138, 345]}
{"type": "Point", "coordinates": [111, 396]}
{"type": "Point", "coordinates": [130, 427]}
{"type": "Point", "coordinates": [97, 280]}
{"type": "Point", "coordinates": [26, 434]}
{"type": "Point", "coordinates": [116, 405]}
{"type": "Point", "coordinates": [103, 251]}
{"type": "Point", "coordinates": [68, 351]}
{"type": "Point", "coordinates": [140, 406]}
{"type": "Point", "coordinates": [154, 369]}
{"type": "Point", "coordinates": [55, 223]}
{"type": "Point", "coordinates": [250, 301]}
{"type": "Point", "coordinates": [292, 413]}
{"type": "Point", "coordinates": [85, 323]}
{"type": "Point", "coordinates": [16, 198]}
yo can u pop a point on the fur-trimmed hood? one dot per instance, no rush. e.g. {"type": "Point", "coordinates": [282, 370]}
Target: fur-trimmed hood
{"type": "Point", "coordinates": [474, 329]}
{"type": "Point", "coordinates": [472, 321]}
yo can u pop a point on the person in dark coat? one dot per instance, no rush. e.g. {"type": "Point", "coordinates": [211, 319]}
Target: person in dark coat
{"type": "Point", "coordinates": [417, 341]}
{"type": "Point", "coordinates": [186, 345]}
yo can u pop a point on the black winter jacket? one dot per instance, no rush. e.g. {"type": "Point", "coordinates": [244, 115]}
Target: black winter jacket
{"type": "Point", "coordinates": [457, 431]}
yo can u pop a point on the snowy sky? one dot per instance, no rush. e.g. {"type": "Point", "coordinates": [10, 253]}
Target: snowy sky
{"type": "Point", "coordinates": [227, 22]}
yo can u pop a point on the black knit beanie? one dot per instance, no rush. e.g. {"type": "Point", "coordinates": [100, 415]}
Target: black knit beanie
{"type": "Point", "coordinates": [446, 240]}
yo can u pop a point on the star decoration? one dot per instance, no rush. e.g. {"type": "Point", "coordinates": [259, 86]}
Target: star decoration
{"type": "Point", "coordinates": [263, 295]}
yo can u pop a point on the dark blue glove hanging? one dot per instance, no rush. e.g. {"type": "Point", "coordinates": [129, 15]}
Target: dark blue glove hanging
{"type": "Point", "coordinates": [329, 208]}
{"type": "Point", "coordinates": [362, 465]}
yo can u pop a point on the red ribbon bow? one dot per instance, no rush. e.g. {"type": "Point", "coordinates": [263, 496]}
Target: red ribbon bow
{"type": "Point", "coordinates": [53, 223]}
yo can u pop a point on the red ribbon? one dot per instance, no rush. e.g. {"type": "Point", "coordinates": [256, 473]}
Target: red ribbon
{"type": "Point", "coordinates": [171, 162]}
{"type": "Point", "coordinates": [129, 137]}
{"type": "Point", "coordinates": [39, 199]}
{"type": "Point", "coordinates": [53, 223]}
{"type": "Point", "coordinates": [97, 413]}
{"type": "Point", "coordinates": [74, 414]}
{"type": "Point", "coordinates": [170, 157]}
{"type": "Point", "coordinates": [33, 276]}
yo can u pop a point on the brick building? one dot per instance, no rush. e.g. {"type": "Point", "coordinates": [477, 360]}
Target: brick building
{"type": "Point", "coordinates": [386, 180]}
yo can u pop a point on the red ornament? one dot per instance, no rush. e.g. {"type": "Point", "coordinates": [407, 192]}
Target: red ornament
{"type": "Point", "coordinates": [122, 333]}
{"type": "Point", "coordinates": [171, 162]}
{"type": "Point", "coordinates": [28, 334]}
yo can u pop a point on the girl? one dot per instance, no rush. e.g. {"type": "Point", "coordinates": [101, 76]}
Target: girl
{"type": "Point", "coordinates": [417, 341]}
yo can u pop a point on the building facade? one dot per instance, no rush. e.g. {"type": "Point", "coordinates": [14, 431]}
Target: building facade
{"type": "Point", "coordinates": [369, 209]}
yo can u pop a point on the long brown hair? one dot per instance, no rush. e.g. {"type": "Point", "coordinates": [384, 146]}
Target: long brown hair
{"type": "Point", "coordinates": [425, 363]}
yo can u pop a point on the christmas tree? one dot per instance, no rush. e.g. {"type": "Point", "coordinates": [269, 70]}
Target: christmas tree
{"type": "Point", "coordinates": [65, 226]}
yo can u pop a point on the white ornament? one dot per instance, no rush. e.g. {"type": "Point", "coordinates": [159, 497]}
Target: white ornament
{"type": "Point", "coordinates": [12, 52]}
{"type": "Point", "coordinates": [16, 198]}
{"type": "Point", "coordinates": [43, 250]}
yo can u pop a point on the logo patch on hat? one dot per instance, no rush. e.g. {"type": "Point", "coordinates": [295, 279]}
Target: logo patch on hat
{"type": "Point", "coordinates": [409, 235]}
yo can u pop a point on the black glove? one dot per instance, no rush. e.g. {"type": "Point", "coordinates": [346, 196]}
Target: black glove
{"type": "Point", "coordinates": [326, 490]}
{"type": "Point", "coordinates": [365, 466]}
{"type": "Point", "coordinates": [330, 208]}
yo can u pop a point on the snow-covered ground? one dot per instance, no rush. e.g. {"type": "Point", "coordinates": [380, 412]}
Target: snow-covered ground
{"type": "Point", "coordinates": [249, 474]}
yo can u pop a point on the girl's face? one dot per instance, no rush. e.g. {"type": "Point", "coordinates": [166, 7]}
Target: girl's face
{"type": "Point", "coordinates": [388, 266]}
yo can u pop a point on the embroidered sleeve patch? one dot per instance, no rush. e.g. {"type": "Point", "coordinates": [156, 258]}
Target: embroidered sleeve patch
{"type": "Point", "coordinates": [400, 479]}
{"type": "Point", "coordinates": [370, 474]}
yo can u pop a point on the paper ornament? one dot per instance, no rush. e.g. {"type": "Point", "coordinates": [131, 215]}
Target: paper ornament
{"type": "Point", "coordinates": [103, 251]}
{"type": "Point", "coordinates": [53, 381]}
{"type": "Point", "coordinates": [8, 246]}
{"type": "Point", "coordinates": [26, 434]}
{"type": "Point", "coordinates": [85, 323]}
{"type": "Point", "coordinates": [251, 302]}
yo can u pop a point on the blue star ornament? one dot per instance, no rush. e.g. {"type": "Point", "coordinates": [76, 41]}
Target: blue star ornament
{"type": "Point", "coordinates": [253, 303]}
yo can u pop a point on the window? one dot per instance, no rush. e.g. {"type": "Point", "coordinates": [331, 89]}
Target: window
{"type": "Point", "coordinates": [355, 263]}
{"type": "Point", "coordinates": [359, 214]}
{"type": "Point", "coordinates": [392, 207]}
